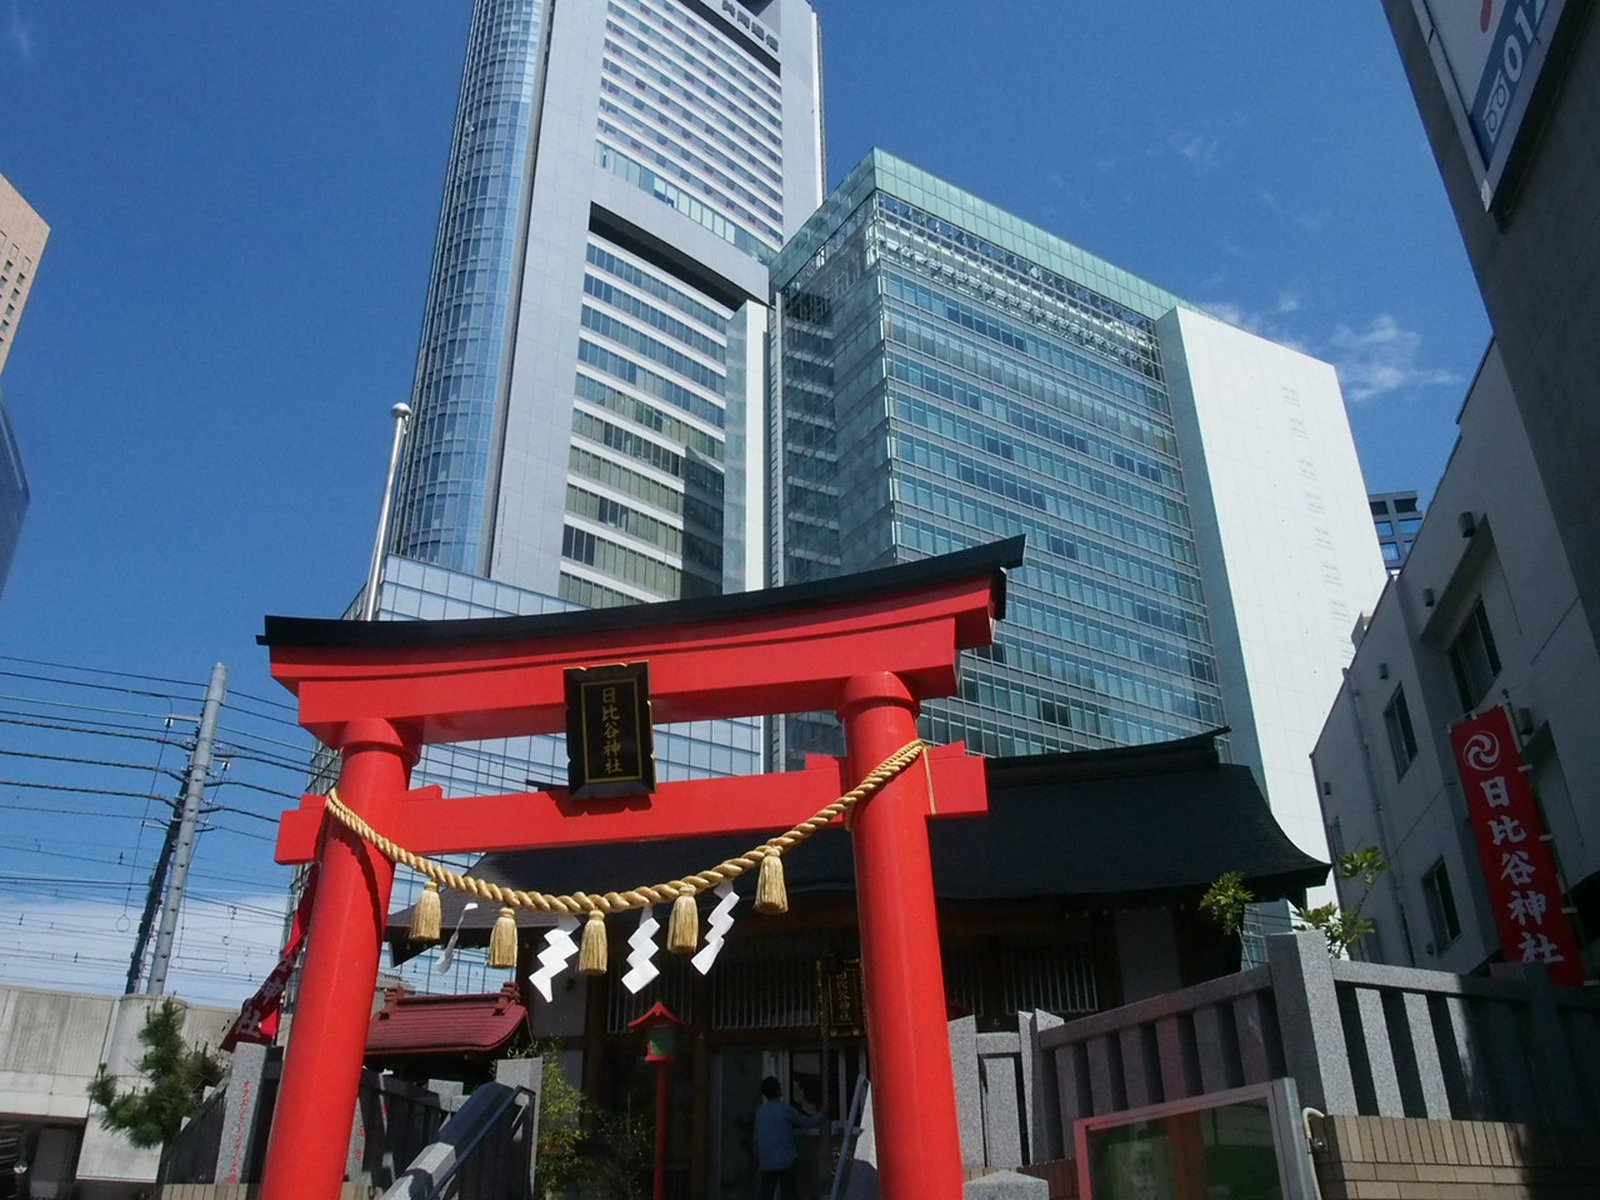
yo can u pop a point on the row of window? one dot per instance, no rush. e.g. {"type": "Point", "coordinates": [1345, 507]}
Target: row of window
{"type": "Point", "coordinates": [701, 213]}
{"type": "Point", "coordinates": [1087, 727]}
{"type": "Point", "coordinates": [640, 310]}
{"type": "Point", "coordinates": [1023, 297]}
{"type": "Point", "coordinates": [582, 546]}
{"type": "Point", "coordinates": [1081, 629]}
{"type": "Point", "coordinates": [1032, 456]}
{"type": "Point", "coordinates": [653, 285]}
{"type": "Point", "coordinates": [631, 408]}
{"type": "Point", "coordinates": [761, 162]}
{"type": "Point", "coordinates": [1474, 666]}
{"type": "Point", "coordinates": [591, 594]}
{"type": "Point", "coordinates": [603, 509]}
{"type": "Point", "coordinates": [1046, 425]}
{"type": "Point", "coordinates": [953, 507]}
{"type": "Point", "coordinates": [762, 140]}
{"type": "Point", "coordinates": [646, 117]}
{"type": "Point", "coordinates": [1068, 508]}
{"type": "Point", "coordinates": [1069, 288]}
{"type": "Point", "coordinates": [657, 351]}
{"type": "Point", "coordinates": [611, 363]}
{"type": "Point", "coordinates": [1064, 668]}
{"type": "Point", "coordinates": [587, 465]}
{"type": "Point", "coordinates": [1070, 585]}
{"type": "Point", "coordinates": [754, 89]}
{"type": "Point", "coordinates": [631, 144]}
{"type": "Point", "coordinates": [1008, 372]}
{"type": "Point", "coordinates": [1023, 341]}
{"type": "Point", "coordinates": [641, 570]}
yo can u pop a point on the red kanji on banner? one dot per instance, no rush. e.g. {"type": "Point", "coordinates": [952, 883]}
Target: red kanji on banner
{"type": "Point", "coordinates": [1518, 866]}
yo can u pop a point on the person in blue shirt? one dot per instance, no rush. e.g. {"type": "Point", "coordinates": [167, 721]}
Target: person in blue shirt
{"type": "Point", "coordinates": [776, 1152]}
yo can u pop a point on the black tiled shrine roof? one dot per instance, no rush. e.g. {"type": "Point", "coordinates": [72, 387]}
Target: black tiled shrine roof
{"type": "Point", "coordinates": [1146, 822]}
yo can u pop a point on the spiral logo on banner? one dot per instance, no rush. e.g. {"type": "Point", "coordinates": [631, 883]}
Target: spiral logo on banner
{"type": "Point", "coordinates": [1482, 751]}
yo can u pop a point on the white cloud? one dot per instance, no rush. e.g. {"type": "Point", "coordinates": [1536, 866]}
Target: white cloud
{"type": "Point", "coordinates": [1196, 148]}
{"type": "Point", "coordinates": [21, 34]}
{"type": "Point", "coordinates": [224, 948]}
{"type": "Point", "coordinates": [1381, 358]}
{"type": "Point", "coordinates": [1238, 314]}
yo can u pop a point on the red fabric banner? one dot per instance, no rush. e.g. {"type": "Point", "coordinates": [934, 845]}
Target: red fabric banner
{"type": "Point", "coordinates": [258, 1019]}
{"type": "Point", "coordinates": [1518, 865]}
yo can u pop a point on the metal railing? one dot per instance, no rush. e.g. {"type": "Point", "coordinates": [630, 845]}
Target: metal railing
{"type": "Point", "coordinates": [486, 1149]}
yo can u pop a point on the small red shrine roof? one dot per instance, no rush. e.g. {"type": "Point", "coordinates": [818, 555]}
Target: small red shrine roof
{"type": "Point", "coordinates": [410, 1025]}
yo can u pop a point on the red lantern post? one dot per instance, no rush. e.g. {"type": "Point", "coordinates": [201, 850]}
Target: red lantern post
{"type": "Point", "coordinates": [660, 1027]}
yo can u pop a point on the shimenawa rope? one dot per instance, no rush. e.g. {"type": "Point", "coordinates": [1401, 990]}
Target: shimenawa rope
{"type": "Point", "coordinates": [598, 905]}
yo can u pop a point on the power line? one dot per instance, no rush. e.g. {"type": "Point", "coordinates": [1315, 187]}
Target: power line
{"type": "Point", "coordinates": [73, 812]}
{"type": "Point", "coordinates": [9, 716]}
{"type": "Point", "coordinates": [39, 662]}
{"type": "Point", "coordinates": [87, 762]}
{"type": "Point", "coordinates": [62, 787]}
{"type": "Point", "coordinates": [169, 715]}
{"type": "Point", "coordinates": [256, 787]}
{"type": "Point", "coordinates": [100, 687]}
{"type": "Point", "coordinates": [263, 700]}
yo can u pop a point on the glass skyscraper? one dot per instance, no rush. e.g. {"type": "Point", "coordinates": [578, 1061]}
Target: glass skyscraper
{"type": "Point", "coordinates": [946, 374]}
{"type": "Point", "coordinates": [589, 403]}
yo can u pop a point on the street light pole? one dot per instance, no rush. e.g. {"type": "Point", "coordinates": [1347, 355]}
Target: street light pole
{"type": "Point", "coordinates": [369, 604]}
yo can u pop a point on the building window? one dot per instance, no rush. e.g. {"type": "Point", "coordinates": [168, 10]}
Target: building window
{"type": "Point", "coordinates": [1474, 659]}
{"type": "Point", "coordinates": [1441, 906]}
{"type": "Point", "coordinates": [1402, 738]}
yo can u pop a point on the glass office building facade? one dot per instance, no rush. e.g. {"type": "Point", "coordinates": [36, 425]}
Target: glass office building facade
{"type": "Point", "coordinates": [948, 376]}
{"type": "Point", "coordinates": [589, 399]}
{"type": "Point", "coordinates": [945, 374]}
{"type": "Point", "coordinates": [465, 333]}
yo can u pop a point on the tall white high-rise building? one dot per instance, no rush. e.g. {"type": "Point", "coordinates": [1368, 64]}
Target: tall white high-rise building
{"type": "Point", "coordinates": [589, 402]}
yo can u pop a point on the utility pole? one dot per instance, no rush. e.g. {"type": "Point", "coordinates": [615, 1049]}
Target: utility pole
{"type": "Point", "coordinates": [152, 905]}
{"type": "Point", "coordinates": [188, 820]}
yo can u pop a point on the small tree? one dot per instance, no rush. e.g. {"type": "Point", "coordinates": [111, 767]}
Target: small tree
{"type": "Point", "coordinates": [176, 1079]}
{"type": "Point", "coordinates": [1225, 900]}
{"type": "Point", "coordinates": [1344, 928]}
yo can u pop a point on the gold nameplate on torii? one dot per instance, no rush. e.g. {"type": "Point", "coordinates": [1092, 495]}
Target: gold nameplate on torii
{"type": "Point", "coordinates": [610, 741]}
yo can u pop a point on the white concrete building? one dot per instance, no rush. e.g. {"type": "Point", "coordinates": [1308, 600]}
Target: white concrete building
{"type": "Point", "coordinates": [1286, 545]}
{"type": "Point", "coordinates": [51, 1046]}
{"type": "Point", "coordinates": [1485, 612]}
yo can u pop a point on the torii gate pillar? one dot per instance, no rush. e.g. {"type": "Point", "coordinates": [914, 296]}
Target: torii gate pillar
{"type": "Point", "coordinates": [868, 647]}
{"type": "Point", "coordinates": [908, 1042]}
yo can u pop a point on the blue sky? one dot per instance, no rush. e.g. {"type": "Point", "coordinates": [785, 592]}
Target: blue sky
{"type": "Point", "coordinates": [243, 199]}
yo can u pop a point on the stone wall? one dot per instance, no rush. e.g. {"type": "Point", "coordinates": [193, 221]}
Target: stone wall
{"type": "Point", "coordinates": [1399, 1158]}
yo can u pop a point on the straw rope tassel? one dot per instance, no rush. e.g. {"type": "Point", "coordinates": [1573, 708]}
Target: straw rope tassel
{"type": "Point", "coordinates": [425, 917]}
{"type": "Point", "coordinates": [595, 953]}
{"type": "Point", "coordinates": [683, 929]}
{"type": "Point", "coordinates": [772, 898]}
{"type": "Point", "coordinates": [503, 940]}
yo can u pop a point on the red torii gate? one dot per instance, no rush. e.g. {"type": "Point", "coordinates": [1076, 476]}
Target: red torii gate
{"type": "Point", "coordinates": [868, 647]}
